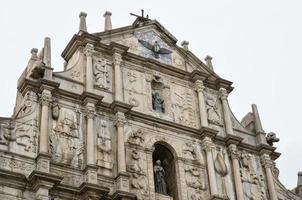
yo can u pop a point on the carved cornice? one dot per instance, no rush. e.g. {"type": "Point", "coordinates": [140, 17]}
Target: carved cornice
{"type": "Point", "coordinates": [208, 132]}
{"type": "Point", "coordinates": [13, 179]}
{"type": "Point", "coordinates": [118, 106]}
{"type": "Point", "coordinates": [88, 97]}
{"type": "Point", "coordinates": [37, 179]}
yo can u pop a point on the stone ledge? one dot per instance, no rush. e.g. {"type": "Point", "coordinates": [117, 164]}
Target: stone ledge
{"type": "Point", "coordinates": [122, 195]}
{"type": "Point", "coordinates": [118, 106]}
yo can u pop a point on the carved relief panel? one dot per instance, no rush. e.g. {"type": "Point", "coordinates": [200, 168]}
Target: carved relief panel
{"type": "Point", "coordinates": [105, 149]}
{"type": "Point", "coordinates": [137, 164]}
{"type": "Point", "coordinates": [252, 176]}
{"type": "Point", "coordinates": [183, 102]}
{"type": "Point", "coordinates": [66, 138]}
{"type": "Point", "coordinates": [196, 183]}
{"type": "Point", "coordinates": [102, 72]}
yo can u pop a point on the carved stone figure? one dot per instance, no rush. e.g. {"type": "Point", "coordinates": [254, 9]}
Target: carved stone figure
{"type": "Point", "coordinates": [55, 110]}
{"type": "Point", "coordinates": [195, 182]}
{"type": "Point", "coordinates": [157, 102]}
{"type": "Point", "coordinates": [271, 138]}
{"type": "Point", "coordinates": [139, 180]}
{"type": "Point", "coordinates": [65, 144]}
{"type": "Point", "coordinates": [159, 178]}
{"type": "Point", "coordinates": [155, 48]}
{"type": "Point", "coordinates": [104, 144]}
{"type": "Point", "coordinates": [189, 151]}
{"type": "Point", "coordinates": [101, 74]}
{"type": "Point", "coordinates": [212, 110]}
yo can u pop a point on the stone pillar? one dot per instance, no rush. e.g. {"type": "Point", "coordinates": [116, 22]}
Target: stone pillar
{"type": "Point", "coordinates": [236, 171]}
{"type": "Point", "coordinates": [267, 164]}
{"type": "Point", "coordinates": [88, 51]}
{"type": "Point", "coordinates": [199, 87]}
{"type": "Point", "coordinates": [208, 146]}
{"type": "Point", "coordinates": [121, 160]}
{"type": "Point", "coordinates": [46, 98]}
{"type": "Point", "coordinates": [47, 58]}
{"type": "Point", "coordinates": [83, 26]}
{"type": "Point", "coordinates": [118, 84]}
{"type": "Point", "coordinates": [90, 144]}
{"type": "Point", "coordinates": [226, 111]}
{"type": "Point", "coordinates": [108, 24]}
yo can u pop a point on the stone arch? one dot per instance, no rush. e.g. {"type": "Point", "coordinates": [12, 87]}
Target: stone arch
{"type": "Point", "coordinates": [167, 142]}
{"type": "Point", "coordinates": [165, 153]}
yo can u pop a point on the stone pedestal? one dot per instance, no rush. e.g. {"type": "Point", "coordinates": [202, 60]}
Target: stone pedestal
{"type": "Point", "coordinates": [90, 191]}
{"type": "Point", "coordinates": [43, 162]}
{"type": "Point", "coordinates": [122, 182]}
{"type": "Point", "coordinates": [90, 174]}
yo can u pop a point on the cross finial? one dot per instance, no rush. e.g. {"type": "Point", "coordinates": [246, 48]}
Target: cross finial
{"type": "Point", "coordinates": [142, 15]}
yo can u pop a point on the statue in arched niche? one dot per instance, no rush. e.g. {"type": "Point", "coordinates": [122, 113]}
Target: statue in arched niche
{"type": "Point", "coordinates": [159, 177]}
{"type": "Point", "coordinates": [158, 103]}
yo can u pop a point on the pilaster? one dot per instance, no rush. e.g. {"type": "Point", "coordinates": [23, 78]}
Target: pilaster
{"type": "Point", "coordinates": [199, 87]}
{"type": "Point", "coordinates": [88, 51]}
{"type": "Point", "coordinates": [268, 164]}
{"type": "Point", "coordinates": [226, 111]}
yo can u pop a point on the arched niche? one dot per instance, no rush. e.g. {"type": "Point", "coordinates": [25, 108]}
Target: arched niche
{"type": "Point", "coordinates": [163, 152]}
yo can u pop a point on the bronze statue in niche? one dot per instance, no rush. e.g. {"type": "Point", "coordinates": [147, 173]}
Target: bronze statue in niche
{"type": "Point", "coordinates": [159, 176]}
{"type": "Point", "coordinates": [158, 103]}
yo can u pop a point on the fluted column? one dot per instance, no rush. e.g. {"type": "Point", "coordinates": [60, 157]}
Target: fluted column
{"type": "Point", "coordinates": [117, 59]}
{"type": "Point", "coordinates": [199, 87]}
{"type": "Point", "coordinates": [208, 146]}
{"type": "Point", "coordinates": [226, 111]}
{"type": "Point", "coordinates": [90, 144]}
{"type": "Point", "coordinates": [121, 160]}
{"type": "Point", "coordinates": [88, 51]}
{"type": "Point", "coordinates": [267, 164]}
{"type": "Point", "coordinates": [236, 171]}
{"type": "Point", "coordinates": [46, 98]}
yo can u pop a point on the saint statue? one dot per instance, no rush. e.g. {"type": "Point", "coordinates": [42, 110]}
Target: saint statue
{"type": "Point", "coordinates": [157, 103]}
{"type": "Point", "coordinates": [159, 178]}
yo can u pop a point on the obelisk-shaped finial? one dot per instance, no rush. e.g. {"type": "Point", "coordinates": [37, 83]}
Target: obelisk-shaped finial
{"type": "Point", "coordinates": [47, 52]}
{"type": "Point", "coordinates": [83, 26]}
{"type": "Point", "coordinates": [108, 24]}
{"type": "Point", "coordinates": [208, 60]}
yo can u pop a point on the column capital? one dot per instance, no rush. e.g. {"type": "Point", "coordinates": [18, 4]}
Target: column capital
{"type": "Point", "coordinates": [266, 161]}
{"type": "Point", "coordinates": [233, 151]}
{"type": "Point", "coordinates": [198, 86]}
{"type": "Point", "coordinates": [90, 111]}
{"type": "Point", "coordinates": [223, 93]}
{"type": "Point", "coordinates": [207, 144]}
{"type": "Point", "coordinates": [89, 50]}
{"type": "Point", "coordinates": [120, 119]}
{"type": "Point", "coordinates": [117, 58]}
{"type": "Point", "coordinates": [45, 98]}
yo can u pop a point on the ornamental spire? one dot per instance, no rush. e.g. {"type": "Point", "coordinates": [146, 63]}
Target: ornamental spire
{"type": "Point", "coordinates": [83, 26]}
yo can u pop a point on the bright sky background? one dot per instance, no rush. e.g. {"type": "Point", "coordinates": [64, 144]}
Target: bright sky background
{"type": "Point", "coordinates": [256, 44]}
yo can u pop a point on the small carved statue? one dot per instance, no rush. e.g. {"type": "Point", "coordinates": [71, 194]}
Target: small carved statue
{"type": "Point", "coordinates": [271, 138]}
{"type": "Point", "coordinates": [159, 176]}
{"type": "Point", "coordinates": [212, 110]}
{"type": "Point", "coordinates": [157, 102]}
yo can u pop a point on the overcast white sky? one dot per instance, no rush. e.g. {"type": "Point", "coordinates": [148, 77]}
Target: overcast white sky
{"type": "Point", "coordinates": [256, 44]}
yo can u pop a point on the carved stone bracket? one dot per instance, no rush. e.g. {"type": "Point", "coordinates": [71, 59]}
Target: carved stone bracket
{"type": "Point", "coordinates": [233, 151]}
{"type": "Point", "coordinates": [223, 94]}
{"type": "Point", "coordinates": [266, 161]}
{"type": "Point", "coordinates": [89, 49]}
{"type": "Point", "coordinates": [46, 98]}
{"type": "Point", "coordinates": [198, 86]}
{"type": "Point", "coordinates": [120, 119]}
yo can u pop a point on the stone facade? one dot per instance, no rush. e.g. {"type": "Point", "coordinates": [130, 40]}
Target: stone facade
{"type": "Point", "coordinates": [128, 97]}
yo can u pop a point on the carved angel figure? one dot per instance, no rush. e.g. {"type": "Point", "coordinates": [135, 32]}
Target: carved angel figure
{"type": "Point", "coordinates": [155, 48]}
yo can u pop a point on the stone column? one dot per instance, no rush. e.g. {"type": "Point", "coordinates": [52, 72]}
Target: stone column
{"type": "Point", "coordinates": [199, 87]}
{"type": "Point", "coordinates": [236, 171]}
{"type": "Point", "coordinates": [90, 144]}
{"type": "Point", "coordinates": [121, 160]}
{"type": "Point", "coordinates": [267, 164]}
{"type": "Point", "coordinates": [226, 111]}
{"type": "Point", "coordinates": [208, 146]}
{"type": "Point", "coordinates": [46, 98]}
{"type": "Point", "coordinates": [118, 84]}
{"type": "Point", "coordinates": [88, 51]}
